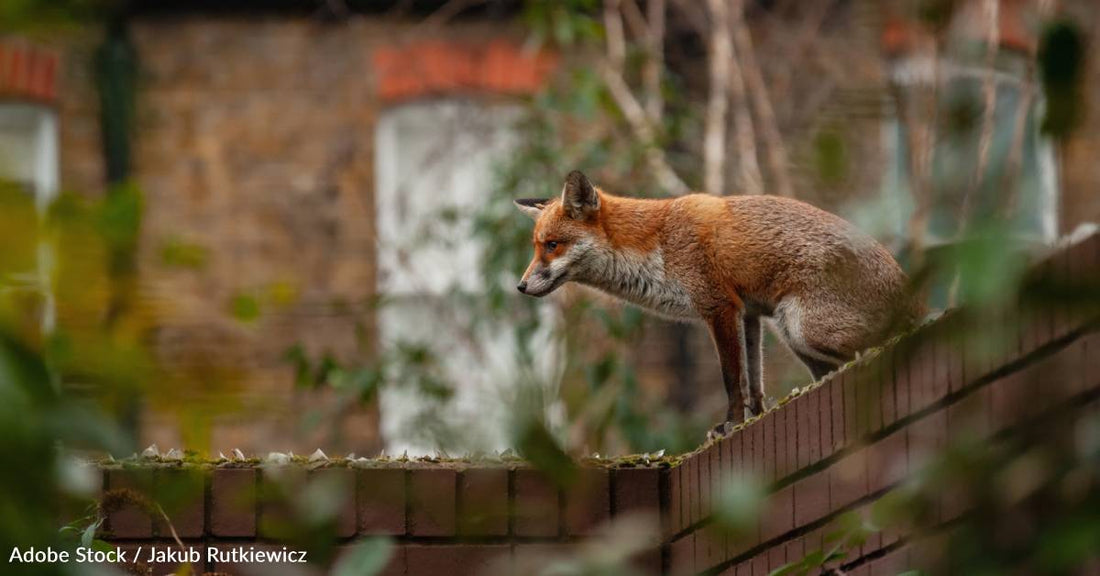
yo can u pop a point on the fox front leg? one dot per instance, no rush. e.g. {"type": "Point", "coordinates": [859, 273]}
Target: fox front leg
{"type": "Point", "coordinates": [725, 329]}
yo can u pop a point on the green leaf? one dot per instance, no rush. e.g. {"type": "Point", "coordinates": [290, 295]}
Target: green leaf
{"type": "Point", "coordinates": [792, 568]}
{"type": "Point", "coordinates": [366, 558]}
{"type": "Point", "coordinates": [177, 253]}
{"type": "Point", "coordinates": [536, 444]}
{"type": "Point", "coordinates": [814, 559]}
{"type": "Point", "coordinates": [120, 216]}
{"type": "Point", "coordinates": [739, 507]}
{"type": "Point", "coordinates": [88, 535]}
{"type": "Point", "coordinates": [245, 308]}
{"type": "Point", "coordinates": [102, 546]}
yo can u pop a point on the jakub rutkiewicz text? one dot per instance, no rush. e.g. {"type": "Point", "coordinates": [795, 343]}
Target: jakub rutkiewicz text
{"type": "Point", "coordinates": [158, 555]}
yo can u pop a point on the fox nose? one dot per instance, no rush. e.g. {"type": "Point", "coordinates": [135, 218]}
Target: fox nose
{"type": "Point", "coordinates": [522, 287]}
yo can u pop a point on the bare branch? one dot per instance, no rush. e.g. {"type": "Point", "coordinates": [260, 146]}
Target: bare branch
{"type": "Point", "coordinates": [616, 40]}
{"type": "Point", "coordinates": [696, 16]}
{"type": "Point", "coordinates": [1011, 176]}
{"type": "Point", "coordinates": [750, 181]}
{"type": "Point", "coordinates": [639, 123]}
{"type": "Point", "coordinates": [989, 93]}
{"type": "Point", "coordinates": [649, 29]}
{"type": "Point", "coordinates": [919, 114]}
{"type": "Point", "coordinates": [655, 61]}
{"type": "Point", "coordinates": [758, 94]}
{"type": "Point", "coordinates": [634, 19]}
{"type": "Point", "coordinates": [714, 135]}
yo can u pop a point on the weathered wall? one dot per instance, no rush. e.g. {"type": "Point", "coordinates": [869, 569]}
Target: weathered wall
{"type": "Point", "coordinates": [255, 141]}
{"type": "Point", "coordinates": [255, 144]}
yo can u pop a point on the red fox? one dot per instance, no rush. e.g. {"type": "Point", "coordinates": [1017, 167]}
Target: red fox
{"type": "Point", "coordinates": [830, 290]}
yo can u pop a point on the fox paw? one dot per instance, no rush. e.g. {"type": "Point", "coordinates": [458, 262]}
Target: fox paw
{"type": "Point", "coordinates": [721, 430]}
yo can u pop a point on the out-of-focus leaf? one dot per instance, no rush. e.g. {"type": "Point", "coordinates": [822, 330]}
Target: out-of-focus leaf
{"type": "Point", "coordinates": [178, 253]}
{"type": "Point", "coordinates": [830, 157]}
{"type": "Point", "coordinates": [283, 293]}
{"type": "Point", "coordinates": [536, 444]}
{"type": "Point", "coordinates": [739, 507]}
{"type": "Point", "coordinates": [785, 570]}
{"type": "Point", "coordinates": [102, 546]}
{"type": "Point", "coordinates": [245, 307]}
{"type": "Point", "coordinates": [20, 367]}
{"type": "Point", "coordinates": [120, 216]}
{"type": "Point", "coordinates": [366, 558]}
{"type": "Point", "coordinates": [88, 536]}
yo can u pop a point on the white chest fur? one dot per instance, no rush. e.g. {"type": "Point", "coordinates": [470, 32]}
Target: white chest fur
{"type": "Point", "coordinates": [639, 278]}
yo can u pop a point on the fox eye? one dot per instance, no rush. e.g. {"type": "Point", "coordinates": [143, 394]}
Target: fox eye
{"type": "Point", "coordinates": [551, 245]}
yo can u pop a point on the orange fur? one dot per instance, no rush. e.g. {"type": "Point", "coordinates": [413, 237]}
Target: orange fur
{"type": "Point", "coordinates": [830, 290]}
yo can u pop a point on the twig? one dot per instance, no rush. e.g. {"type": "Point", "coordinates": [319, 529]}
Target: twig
{"type": "Point", "coordinates": [613, 30]}
{"type": "Point", "coordinates": [750, 181]}
{"type": "Point", "coordinates": [758, 93]}
{"type": "Point", "coordinates": [636, 117]}
{"type": "Point", "coordinates": [655, 63]}
{"type": "Point", "coordinates": [809, 32]}
{"type": "Point", "coordinates": [714, 135]}
{"type": "Point", "coordinates": [1011, 176]}
{"type": "Point", "coordinates": [989, 96]}
{"type": "Point", "coordinates": [171, 528]}
{"type": "Point", "coordinates": [634, 18]}
{"type": "Point", "coordinates": [695, 15]}
{"type": "Point", "coordinates": [921, 143]}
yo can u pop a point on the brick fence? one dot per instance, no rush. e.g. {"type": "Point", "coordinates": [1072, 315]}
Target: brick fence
{"type": "Point", "coordinates": [833, 448]}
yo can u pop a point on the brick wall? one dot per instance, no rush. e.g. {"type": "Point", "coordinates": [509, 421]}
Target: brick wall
{"type": "Point", "coordinates": [27, 71]}
{"type": "Point", "coordinates": [459, 515]}
{"type": "Point", "coordinates": [835, 447]}
{"type": "Point", "coordinates": [254, 142]}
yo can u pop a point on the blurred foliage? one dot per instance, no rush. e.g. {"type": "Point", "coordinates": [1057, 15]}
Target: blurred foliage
{"type": "Point", "coordinates": [367, 557]}
{"type": "Point", "coordinates": [50, 16]}
{"type": "Point", "coordinates": [178, 253]}
{"type": "Point", "coordinates": [245, 307]}
{"type": "Point", "coordinates": [563, 22]}
{"type": "Point", "coordinates": [41, 422]}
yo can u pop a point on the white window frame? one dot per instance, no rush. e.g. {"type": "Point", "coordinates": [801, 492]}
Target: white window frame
{"type": "Point", "coordinates": [421, 310]}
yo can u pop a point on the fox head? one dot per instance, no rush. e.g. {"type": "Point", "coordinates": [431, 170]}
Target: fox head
{"type": "Point", "coordinates": [567, 235]}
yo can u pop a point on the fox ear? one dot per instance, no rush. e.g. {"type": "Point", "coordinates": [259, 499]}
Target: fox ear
{"type": "Point", "coordinates": [531, 206]}
{"type": "Point", "coordinates": [579, 197]}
